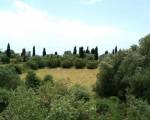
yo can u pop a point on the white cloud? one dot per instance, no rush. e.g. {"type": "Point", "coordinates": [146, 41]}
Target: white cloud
{"type": "Point", "coordinates": [89, 2]}
{"type": "Point", "coordinates": [27, 26]}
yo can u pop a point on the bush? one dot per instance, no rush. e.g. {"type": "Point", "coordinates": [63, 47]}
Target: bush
{"type": "Point", "coordinates": [66, 63]}
{"type": "Point", "coordinates": [110, 79]}
{"type": "Point", "coordinates": [50, 92]}
{"type": "Point", "coordinates": [4, 99]}
{"type": "Point", "coordinates": [109, 109]}
{"type": "Point", "coordinates": [18, 69]}
{"type": "Point", "coordinates": [80, 63]}
{"type": "Point", "coordinates": [24, 105]}
{"type": "Point", "coordinates": [48, 78]}
{"type": "Point", "coordinates": [92, 64]}
{"type": "Point", "coordinates": [39, 61]}
{"type": "Point", "coordinates": [9, 79]}
{"type": "Point", "coordinates": [53, 62]}
{"type": "Point", "coordinates": [79, 93]}
{"type": "Point", "coordinates": [102, 108]}
{"type": "Point", "coordinates": [5, 59]}
{"type": "Point", "coordinates": [89, 56]}
{"type": "Point", "coordinates": [104, 85]}
{"type": "Point", "coordinates": [62, 109]}
{"type": "Point", "coordinates": [32, 65]}
{"type": "Point", "coordinates": [16, 59]}
{"type": "Point", "coordinates": [144, 45]}
{"type": "Point", "coordinates": [32, 81]}
{"type": "Point", "coordinates": [87, 111]}
{"type": "Point", "coordinates": [140, 83]}
{"type": "Point", "coordinates": [137, 109]}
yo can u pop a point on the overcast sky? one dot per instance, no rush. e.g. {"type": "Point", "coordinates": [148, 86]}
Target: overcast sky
{"type": "Point", "coordinates": [59, 25]}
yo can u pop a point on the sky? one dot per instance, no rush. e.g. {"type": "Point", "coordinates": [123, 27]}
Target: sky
{"type": "Point", "coordinates": [59, 25]}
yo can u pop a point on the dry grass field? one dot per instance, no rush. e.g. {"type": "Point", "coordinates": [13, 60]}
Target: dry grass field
{"type": "Point", "coordinates": [84, 77]}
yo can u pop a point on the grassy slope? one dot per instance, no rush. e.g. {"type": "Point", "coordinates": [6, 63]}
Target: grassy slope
{"type": "Point", "coordinates": [85, 77]}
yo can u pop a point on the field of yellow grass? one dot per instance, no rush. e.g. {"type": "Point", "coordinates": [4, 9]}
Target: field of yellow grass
{"type": "Point", "coordinates": [84, 77]}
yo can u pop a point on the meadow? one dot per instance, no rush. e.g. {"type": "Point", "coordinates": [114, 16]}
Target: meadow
{"type": "Point", "coordinates": [84, 77]}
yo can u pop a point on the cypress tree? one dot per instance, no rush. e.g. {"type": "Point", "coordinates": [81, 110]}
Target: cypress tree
{"type": "Point", "coordinates": [75, 50]}
{"type": "Point", "coordinates": [96, 53]}
{"type": "Point", "coordinates": [56, 53]}
{"type": "Point", "coordinates": [81, 52]}
{"type": "Point", "coordinates": [92, 51]}
{"type": "Point", "coordinates": [116, 50]}
{"type": "Point", "coordinates": [33, 51]}
{"type": "Point", "coordinates": [87, 50]}
{"type": "Point", "coordinates": [23, 54]}
{"type": "Point", "coordinates": [44, 52]}
{"type": "Point", "coordinates": [8, 51]}
{"type": "Point", "coordinates": [106, 52]}
{"type": "Point", "coordinates": [113, 52]}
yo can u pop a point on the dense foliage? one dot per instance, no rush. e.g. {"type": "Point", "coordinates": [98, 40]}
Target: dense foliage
{"type": "Point", "coordinates": [122, 87]}
{"type": "Point", "coordinates": [9, 79]}
{"type": "Point", "coordinates": [126, 71]}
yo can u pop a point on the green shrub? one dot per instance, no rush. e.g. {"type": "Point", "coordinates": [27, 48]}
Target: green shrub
{"type": "Point", "coordinates": [39, 61]}
{"type": "Point", "coordinates": [32, 64]}
{"type": "Point", "coordinates": [89, 56]}
{"type": "Point", "coordinates": [92, 64]}
{"type": "Point", "coordinates": [137, 109]}
{"type": "Point", "coordinates": [109, 109]}
{"type": "Point", "coordinates": [66, 63]}
{"type": "Point", "coordinates": [24, 105]}
{"type": "Point", "coordinates": [4, 99]}
{"type": "Point", "coordinates": [62, 109]}
{"type": "Point", "coordinates": [50, 92]}
{"type": "Point", "coordinates": [79, 63]}
{"type": "Point", "coordinates": [140, 84]}
{"type": "Point", "coordinates": [102, 108]}
{"type": "Point", "coordinates": [105, 85]}
{"type": "Point", "coordinates": [32, 81]}
{"type": "Point", "coordinates": [48, 78]}
{"type": "Point", "coordinates": [5, 59]}
{"type": "Point", "coordinates": [53, 62]}
{"type": "Point", "coordinates": [18, 69]}
{"type": "Point", "coordinates": [16, 59]}
{"type": "Point", "coordinates": [144, 45]}
{"type": "Point", "coordinates": [9, 79]}
{"type": "Point", "coordinates": [87, 111]}
{"type": "Point", "coordinates": [79, 93]}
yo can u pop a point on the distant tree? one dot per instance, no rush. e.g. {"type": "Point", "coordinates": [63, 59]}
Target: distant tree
{"type": "Point", "coordinates": [106, 52]}
{"type": "Point", "coordinates": [75, 50]}
{"type": "Point", "coordinates": [23, 54]}
{"type": "Point", "coordinates": [113, 52]}
{"type": "Point", "coordinates": [44, 52]}
{"type": "Point", "coordinates": [116, 50]}
{"type": "Point", "coordinates": [68, 52]}
{"type": "Point", "coordinates": [92, 51]}
{"type": "Point", "coordinates": [33, 51]}
{"type": "Point", "coordinates": [56, 53]}
{"type": "Point", "coordinates": [81, 52]}
{"type": "Point", "coordinates": [87, 50]}
{"type": "Point", "coordinates": [28, 54]}
{"type": "Point", "coordinates": [8, 51]}
{"type": "Point", "coordinates": [134, 47]}
{"type": "Point", "coordinates": [96, 53]}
